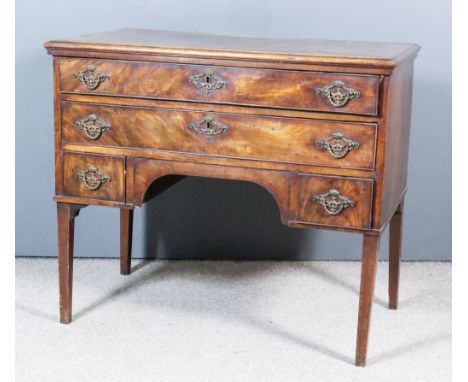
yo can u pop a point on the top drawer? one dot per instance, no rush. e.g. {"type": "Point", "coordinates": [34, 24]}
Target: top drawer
{"type": "Point", "coordinates": [329, 92]}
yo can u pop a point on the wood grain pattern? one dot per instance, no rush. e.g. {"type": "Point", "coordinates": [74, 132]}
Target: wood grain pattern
{"type": "Point", "coordinates": [287, 140]}
{"type": "Point", "coordinates": [246, 86]}
{"type": "Point", "coordinates": [359, 191]}
{"type": "Point", "coordinates": [113, 190]}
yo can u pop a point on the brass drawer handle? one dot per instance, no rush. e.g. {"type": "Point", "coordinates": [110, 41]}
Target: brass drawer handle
{"type": "Point", "coordinates": [208, 81]}
{"type": "Point", "coordinates": [208, 126]}
{"type": "Point", "coordinates": [90, 77]}
{"type": "Point", "coordinates": [333, 202]}
{"type": "Point", "coordinates": [93, 126]}
{"type": "Point", "coordinates": [338, 94]}
{"type": "Point", "coordinates": [91, 178]}
{"type": "Point", "coordinates": [337, 145]}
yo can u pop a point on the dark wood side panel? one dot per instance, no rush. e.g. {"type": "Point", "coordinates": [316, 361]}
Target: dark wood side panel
{"type": "Point", "coordinates": [244, 86]}
{"type": "Point", "coordinates": [57, 129]}
{"type": "Point", "coordinates": [289, 140]}
{"type": "Point", "coordinates": [397, 139]}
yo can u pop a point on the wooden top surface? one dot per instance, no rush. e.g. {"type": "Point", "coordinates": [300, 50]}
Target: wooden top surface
{"type": "Point", "coordinates": [140, 41]}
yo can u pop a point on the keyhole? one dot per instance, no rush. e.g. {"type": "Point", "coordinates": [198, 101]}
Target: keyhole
{"type": "Point", "coordinates": [208, 125]}
{"type": "Point", "coordinates": [208, 79]}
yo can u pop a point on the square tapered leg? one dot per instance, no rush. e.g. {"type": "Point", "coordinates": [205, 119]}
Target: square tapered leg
{"type": "Point", "coordinates": [126, 231]}
{"type": "Point", "coordinates": [66, 214]}
{"type": "Point", "coordinates": [396, 225]}
{"type": "Point", "coordinates": [370, 254]}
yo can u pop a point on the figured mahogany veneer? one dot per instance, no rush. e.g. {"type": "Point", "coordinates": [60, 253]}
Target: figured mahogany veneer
{"type": "Point", "coordinates": [287, 140]}
{"type": "Point", "coordinates": [242, 86]}
{"type": "Point", "coordinates": [322, 125]}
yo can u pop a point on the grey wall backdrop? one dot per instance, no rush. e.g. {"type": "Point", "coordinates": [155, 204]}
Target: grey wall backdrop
{"type": "Point", "coordinates": [204, 218]}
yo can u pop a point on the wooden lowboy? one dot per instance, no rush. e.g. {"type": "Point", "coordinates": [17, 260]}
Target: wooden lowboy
{"type": "Point", "coordinates": [322, 125]}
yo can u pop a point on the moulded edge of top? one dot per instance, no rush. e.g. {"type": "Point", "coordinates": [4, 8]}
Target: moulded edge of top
{"type": "Point", "coordinates": [66, 48]}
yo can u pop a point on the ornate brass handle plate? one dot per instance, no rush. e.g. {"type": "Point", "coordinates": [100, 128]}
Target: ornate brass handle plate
{"type": "Point", "coordinates": [337, 145]}
{"type": "Point", "coordinates": [91, 178]}
{"type": "Point", "coordinates": [208, 81]}
{"type": "Point", "coordinates": [333, 202]}
{"type": "Point", "coordinates": [93, 126]}
{"type": "Point", "coordinates": [208, 126]}
{"type": "Point", "coordinates": [338, 94]}
{"type": "Point", "coordinates": [90, 77]}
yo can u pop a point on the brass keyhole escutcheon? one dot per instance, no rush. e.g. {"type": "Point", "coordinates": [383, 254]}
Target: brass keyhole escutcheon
{"type": "Point", "coordinates": [208, 81]}
{"type": "Point", "coordinates": [208, 126]}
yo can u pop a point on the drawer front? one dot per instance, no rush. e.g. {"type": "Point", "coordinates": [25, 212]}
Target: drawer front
{"type": "Point", "coordinates": [94, 176]}
{"type": "Point", "coordinates": [340, 93]}
{"type": "Point", "coordinates": [335, 201]}
{"type": "Point", "coordinates": [293, 140]}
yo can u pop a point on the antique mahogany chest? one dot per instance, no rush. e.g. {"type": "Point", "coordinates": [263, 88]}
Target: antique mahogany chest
{"type": "Point", "coordinates": [322, 125]}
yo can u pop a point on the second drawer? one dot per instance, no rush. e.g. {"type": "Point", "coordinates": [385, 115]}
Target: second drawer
{"type": "Point", "coordinates": [293, 140]}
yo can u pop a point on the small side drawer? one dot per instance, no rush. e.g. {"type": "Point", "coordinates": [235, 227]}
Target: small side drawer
{"type": "Point", "coordinates": [94, 176]}
{"type": "Point", "coordinates": [335, 201]}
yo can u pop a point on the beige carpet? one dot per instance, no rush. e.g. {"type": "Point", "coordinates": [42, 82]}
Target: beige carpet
{"type": "Point", "coordinates": [229, 321]}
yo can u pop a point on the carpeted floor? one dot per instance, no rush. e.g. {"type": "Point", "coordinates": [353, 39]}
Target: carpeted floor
{"type": "Point", "coordinates": [229, 321]}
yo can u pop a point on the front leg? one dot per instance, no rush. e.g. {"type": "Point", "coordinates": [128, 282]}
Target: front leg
{"type": "Point", "coordinates": [370, 253]}
{"type": "Point", "coordinates": [126, 231]}
{"type": "Point", "coordinates": [66, 214]}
